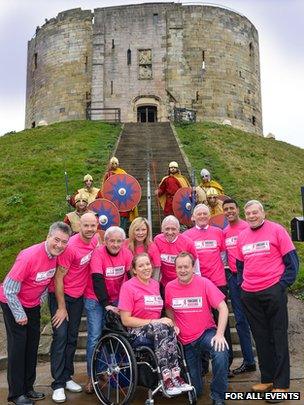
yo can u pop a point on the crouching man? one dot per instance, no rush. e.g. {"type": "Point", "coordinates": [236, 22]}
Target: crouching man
{"type": "Point", "coordinates": [189, 300]}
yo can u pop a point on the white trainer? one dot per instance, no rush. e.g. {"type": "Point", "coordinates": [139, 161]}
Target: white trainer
{"type": "Point", "coordinates": [59, 395]}
{"type": "Point", "coordinates": [72, 386]}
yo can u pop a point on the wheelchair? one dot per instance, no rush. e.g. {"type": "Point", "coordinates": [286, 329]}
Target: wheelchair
{"type": "Point", "coordinates": [118, 368]}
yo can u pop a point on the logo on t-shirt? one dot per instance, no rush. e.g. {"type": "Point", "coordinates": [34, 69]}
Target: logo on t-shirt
{"type": "Point", "coordinates": [187, 303]}
{"type": "Point", "coordinates": [85, 259]}
{"type": "Point", "coordinates": [258, 247]}
{"type": "Point", "coordinates": [45, 275]}
{"type": "Point", "coordinates": [166, 258]}
{"type": "Point", "coordinates": [153, 301]}
{"type": "Point", "coordinates": [232, 241]}
{"type": "Point", "coordinates": [115, 271]}
{"type": "Point", "coordinates": [205, 244]}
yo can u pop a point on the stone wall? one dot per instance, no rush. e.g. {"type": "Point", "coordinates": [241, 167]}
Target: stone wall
{"type": "Point", "coordinates": [59, 69]}
{"type": "Point", "coordinates": [147, 54]}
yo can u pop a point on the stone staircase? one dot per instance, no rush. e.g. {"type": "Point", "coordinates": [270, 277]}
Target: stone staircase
{"type": "Point", "coordinates": [152, 146]}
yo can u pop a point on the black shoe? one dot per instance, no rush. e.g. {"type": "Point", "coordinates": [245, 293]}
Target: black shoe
{"type": "Point", "coordinates": [230, 374]}
{"type": "Point", "coordinates": [35, 395]}
{"type": "Point", "coordinates": [244, 368]}
{"type": "Point", "coordinates": [218, 402]}
{"type": "Point", "coordinates": [22, 400]}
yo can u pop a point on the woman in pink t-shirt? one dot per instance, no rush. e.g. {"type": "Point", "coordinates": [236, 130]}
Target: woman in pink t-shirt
{"type": "Point", "coordinates": [140, 241]}
{"type": "Point", "coordinates": [140, 306]}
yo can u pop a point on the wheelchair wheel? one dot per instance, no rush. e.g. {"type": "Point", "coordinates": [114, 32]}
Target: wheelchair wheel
{"type": "Point", "coordinates": [114, 370]}
{"type": "Point", "coordinates": [192, 398]}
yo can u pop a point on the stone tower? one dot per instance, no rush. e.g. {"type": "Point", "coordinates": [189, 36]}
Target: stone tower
{"type": "Point", "coordinates": [148, 60]}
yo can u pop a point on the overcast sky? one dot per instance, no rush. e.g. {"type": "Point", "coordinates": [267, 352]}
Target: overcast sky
{"type": "Point", "coordinates": [280, 24]}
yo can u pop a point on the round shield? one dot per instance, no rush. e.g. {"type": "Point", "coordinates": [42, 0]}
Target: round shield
{"type": "Point", "coordinates": [183, 205]}
{"type": "Point", "coordinates": [107, 212]}
{"type": "Point", "coordinates": [219, 220]}
{"type": "Point", "coordinates": [123, 190]}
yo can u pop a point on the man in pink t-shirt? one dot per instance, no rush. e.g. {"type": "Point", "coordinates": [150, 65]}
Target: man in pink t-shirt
{"type": "Point", "coordinates": [267, 264]}
{"type": "Point", "coordinates": [210, 248]}
{"type": "Point", "coordinates": [20, 296]}
{"type": "Point", "coordinates": [110, 265]}
{"type": "Point", "coordinates": [189, 300]}
{"type": "Point", "coordinates": [66, 304]}
{"type": "Point", "coordinates": [231, 232]}
{"type": "Point", "coordinates": [170, 243]}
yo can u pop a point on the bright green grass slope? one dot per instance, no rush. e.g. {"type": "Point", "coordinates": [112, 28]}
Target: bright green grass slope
{"type": "Point", "coordinates": [250, 167]}
{"type": "Point", "coordinates": [32, 178]}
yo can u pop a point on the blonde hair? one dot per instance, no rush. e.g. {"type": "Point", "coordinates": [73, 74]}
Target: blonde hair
{"type": "Point", "coordinates": [132, 243]}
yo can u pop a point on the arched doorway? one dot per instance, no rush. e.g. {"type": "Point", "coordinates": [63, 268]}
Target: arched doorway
{"type": "Point", "coordinates": [147, 113]}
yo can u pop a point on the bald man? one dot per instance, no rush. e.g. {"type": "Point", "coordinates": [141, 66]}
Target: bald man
{"type": "Point", "coordinates": [66, 304]}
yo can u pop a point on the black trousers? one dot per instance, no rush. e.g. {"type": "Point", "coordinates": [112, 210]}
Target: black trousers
{"type": "Point", "coordinates": [22, 349]}
{"type": "Point", "coordinates": [267, 315]}
{"type": "Point", "coordinates": [64, 341]}
{"type": "Point", "coordinates": [227, 333]}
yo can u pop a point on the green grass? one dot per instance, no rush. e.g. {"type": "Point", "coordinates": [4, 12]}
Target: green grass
{"type": "Point", "coordinates": [32, 164]}
{"type": "Point", "coordinates": [250, 167]}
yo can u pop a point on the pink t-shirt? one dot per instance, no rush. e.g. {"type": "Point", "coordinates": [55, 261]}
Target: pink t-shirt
{"type": "Point", "coordinates": [168, 252]}
{"type": "Point", "coordinates": [113, 268]}
{"type": "Point", "coordinates": [141, 300]}
{"type": "Point", "coordinates": [192, 304]}
{"type": "Point", "coordinates": [152, 252]}
{"type": "Point", "coordinates": [34, 270]}
{"type": "Point", "coordinates": [209, 244]}
{"type": "Point", "coordinates": [262, 251]}
{"type": "Point", "coordinates": [231, 233]}
{"type": "Point", "coordinates": [76, 259]}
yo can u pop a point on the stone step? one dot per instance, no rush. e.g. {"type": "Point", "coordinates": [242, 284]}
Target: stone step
{"type": "Point", "coordinates": [82, 340]}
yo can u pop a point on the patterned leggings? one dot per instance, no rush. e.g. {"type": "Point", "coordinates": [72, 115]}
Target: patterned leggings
{"type": "Point", "coordinates": [163, 339]}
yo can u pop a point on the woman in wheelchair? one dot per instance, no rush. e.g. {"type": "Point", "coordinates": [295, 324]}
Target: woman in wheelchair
{"type": "Point", "coordinates": [140, 241]}
{"type": "Point", "coordinates": [140, 306]}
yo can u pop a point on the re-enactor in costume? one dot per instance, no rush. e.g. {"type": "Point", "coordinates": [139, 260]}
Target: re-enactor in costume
{"type": "Point", "coordinates": [169, 186]}
{"type": "Point", "coordinates": [207, 182]}
{"type": "Point", "coordinates": [66, 305]}
{"type": "Point", "coordinates": [73, 218]}
{"type": "Point", "coordinates": [189, 300]}
{"type": "Point", "coordinates": [21, 295]}
{"type": "Point", "coordinates": [214, 203]}
{"type": "Point", "coordinates": [267, 264]}
{"type": "Point", "coordinates": [113, 169]}
{"type": "Point", "coordinates": [88, 190]}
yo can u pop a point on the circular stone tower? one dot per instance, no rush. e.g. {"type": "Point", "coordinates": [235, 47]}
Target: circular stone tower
{"type": "Point", "coordinates": [148, 60]}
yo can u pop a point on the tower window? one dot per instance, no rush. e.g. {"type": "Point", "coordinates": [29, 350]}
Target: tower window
{"type": "Point", "coordinates": [251, 49]}
{"type": "Point", "coordinates": [155, 18]}
{"type": "Point", "coordinates": [35, 60]}
{"type": "Point", "coordinates": [112, 87]}
{"type": "Point", "coordinates": [86, 64]}
{"type": "Point", "coordinates": [129, 57]}
{"type": "Point", "coordinates": [113, 44]}
{"type": "Point", "coordinates": [253, 120]}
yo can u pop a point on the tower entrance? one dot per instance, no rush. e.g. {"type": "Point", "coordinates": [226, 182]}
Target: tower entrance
{"type": "Point", "coordinates": [147, 113]}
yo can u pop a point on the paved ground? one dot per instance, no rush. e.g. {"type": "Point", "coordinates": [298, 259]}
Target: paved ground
{"type": "Point", "coordinates": [242, 384]}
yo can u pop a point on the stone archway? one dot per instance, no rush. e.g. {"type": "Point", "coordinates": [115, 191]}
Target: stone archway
{"type": "Point", "coordinates": [148, 108]}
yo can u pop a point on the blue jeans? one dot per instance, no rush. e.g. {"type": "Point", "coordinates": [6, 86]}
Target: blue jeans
{"type": "Point", "coordinates": [242, 325]}
{"type": "Point", "coordinates": [95, 322]}
{"type": "Point", "coordinates": [64, 341]}
{"type": "Point", "coordinates": [194, 352]}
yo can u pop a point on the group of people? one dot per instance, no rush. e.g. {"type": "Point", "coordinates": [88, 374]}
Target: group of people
{"type": "Point", "coordinates": [174, 287]}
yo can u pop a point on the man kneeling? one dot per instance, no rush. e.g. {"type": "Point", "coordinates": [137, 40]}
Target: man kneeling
{"type": "Point", "coordinates": [189, 300]}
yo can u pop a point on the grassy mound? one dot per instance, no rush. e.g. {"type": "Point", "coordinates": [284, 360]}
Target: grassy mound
{"type": "Point", "coordinates": [249, 167]}
{"type": "Point", "coordinates": [32, 178]}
